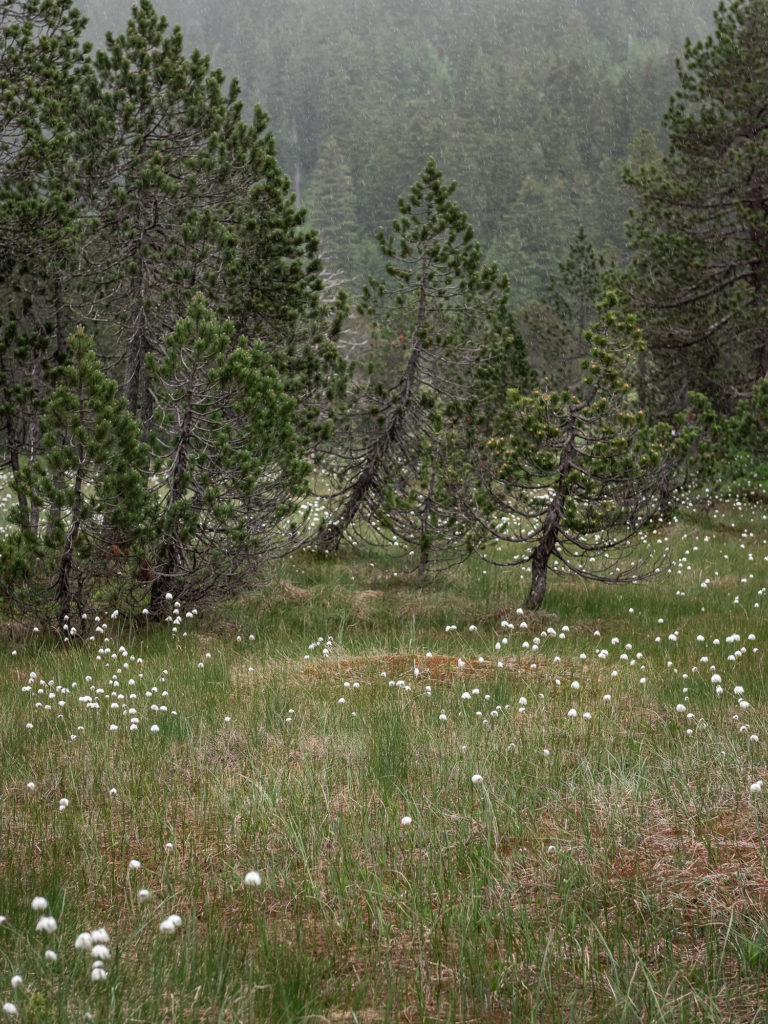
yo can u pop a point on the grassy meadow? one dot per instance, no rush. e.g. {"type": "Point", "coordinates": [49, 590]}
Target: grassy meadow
{"type": "Point", "coordinates": [342, 799]}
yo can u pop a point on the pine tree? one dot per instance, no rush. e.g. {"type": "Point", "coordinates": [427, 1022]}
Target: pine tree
{"type": "Point", "coordinates": [91, 491]}
{"type": "Point", "coordinates": [185, 196]}
{"type": "Point", "coordinates": [41, 62]}
{"type": "Point", "coordinates": [437, 308]}
{"type": "Point", "coordinates": [228, 466]}
{"type": "Point", "coordinates": [699, 235]}
{"type": "Point", "coordinates": [578, 474]}
{"type": "Point", "coordinates": [151, 121]}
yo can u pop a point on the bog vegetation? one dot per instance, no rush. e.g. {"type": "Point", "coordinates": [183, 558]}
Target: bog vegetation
{"type": "Point", "coordinates": [339, 799]}
{"type": "Point", "coordinates": [387, 799]}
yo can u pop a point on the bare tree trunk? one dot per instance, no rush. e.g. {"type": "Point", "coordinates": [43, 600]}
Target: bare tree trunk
{"type": "Point", "coordinates": [171, 553]}
{"type": "Point", "coordinates": [369, 478]}
{"type": "Point", "coordinates": [539, 562]}
{"type": "Point", "coordinates": [63, 580]}
{"type": "Point", "coordinates": [551, 528]}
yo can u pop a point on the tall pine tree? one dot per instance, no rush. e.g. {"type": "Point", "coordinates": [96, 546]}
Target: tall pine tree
{"type": "Point", "coordinates": [699, 234]}
{"type": "Point", "coordinates": [577, 475]}
{"type": "Point", "coordinates": [41, 63]}
{"type": "Point", "coordinates": [228, 465]}
{"type": "Point", "coordinates": [437, 308]}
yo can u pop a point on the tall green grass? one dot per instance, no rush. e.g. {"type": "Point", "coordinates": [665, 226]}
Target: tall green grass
{"type": "Point", "coordinates": [610, 868]}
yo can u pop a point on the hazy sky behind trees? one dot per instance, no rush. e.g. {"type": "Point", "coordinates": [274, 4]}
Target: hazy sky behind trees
{"type": "Point", "coordinates": [532, 106]}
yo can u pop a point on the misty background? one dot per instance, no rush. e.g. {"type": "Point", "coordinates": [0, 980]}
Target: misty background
{"type": "Point", "coordinates": [533, 106]}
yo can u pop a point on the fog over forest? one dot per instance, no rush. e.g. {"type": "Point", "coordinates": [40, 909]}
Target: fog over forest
{"type": "Point", "coordinates": [533, 108]}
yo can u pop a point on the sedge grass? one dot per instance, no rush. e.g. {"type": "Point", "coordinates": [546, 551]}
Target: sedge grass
{"type": "Point", "coordinates": [601, 868]}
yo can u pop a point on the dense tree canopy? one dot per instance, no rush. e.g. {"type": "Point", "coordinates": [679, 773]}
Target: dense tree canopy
{"type": "Point", "coordinates": [169, 358]}
{"type": "Point", "coordinates": [699, 234]}
{"type": "Point", "coordinates": [42, 63]}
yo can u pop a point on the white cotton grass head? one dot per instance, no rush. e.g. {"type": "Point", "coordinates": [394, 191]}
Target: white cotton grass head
{"type": "Point", "coordinates": [170, 924]}
{"type": "Point", "coordinates": [142, 895]}
{"type": "Point", "coordinates": [252, 878]}
{"type": "Point", "coordinates": [51, 956]}
{"type": "Point", "coordinates": [46, 924]}
{"type": "Point", "coordinates": [100, 952]}
{"type": "Point", "coordinates": [84, 941]}
{"type": "Point", "coordinates": [134, 865]}
{"type": "Point", "coordinates": [406, 820]}
{"type": "Point", "coordinates": [756, 787]}
{"type": "Point", "coordinates": [9, 1009]}
{"type": "Point", "coordinates": [17, 981]}
{"type": "Point", "coordinates": [476, 778]}
{"type": "Point", "coordinates": [98, 973]}
{"type": "Point", "coordinates": [100, 935]}
{"type": "Point", "coordinates": [40, 903]}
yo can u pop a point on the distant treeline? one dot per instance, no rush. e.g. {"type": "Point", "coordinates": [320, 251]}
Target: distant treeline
{"type": "Point", "coordinates": [531, 107]}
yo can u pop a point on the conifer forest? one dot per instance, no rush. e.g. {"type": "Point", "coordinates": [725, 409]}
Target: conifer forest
{"type": "Point", "coordinates": [451, 282]}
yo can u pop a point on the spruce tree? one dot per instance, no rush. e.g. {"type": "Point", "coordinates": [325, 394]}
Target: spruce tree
{"type": "Point", "coordinates": [554, 326]}
{"type": "Point", "coordinates": [699, 234]}
{"type": "Point", "coordinates": [333, 214]}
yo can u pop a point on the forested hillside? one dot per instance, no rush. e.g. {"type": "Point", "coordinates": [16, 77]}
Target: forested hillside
{"type": "Point", "coordinates": [177, 403]}
{"type": "Point", "coordinates": [530, 107]}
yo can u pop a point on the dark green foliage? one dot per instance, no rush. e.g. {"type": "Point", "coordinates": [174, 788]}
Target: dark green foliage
{"type": "Point", "coordinates": [228, 469]}
{"type": "Point", "coordinates": [699, 235]}
{"type": "Point", "coordinates": [189, 197]}
{"type": "Point", "coordinates": [529, 107]}
{"type": "Point", "coordinates": [555, 325]}
{"type": "Point", "coordinates": [580, 473]}
{"type": "Point", "coordinates": [41, 63]}
{"type": "Point", "coordinates": [88, 488]}
{"type": "Point", "coordinates": [127, 185]}
{"type": "Point", "coordinates": [438, 307]}
{"type": "Point", "coordinates": [730, 456]}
